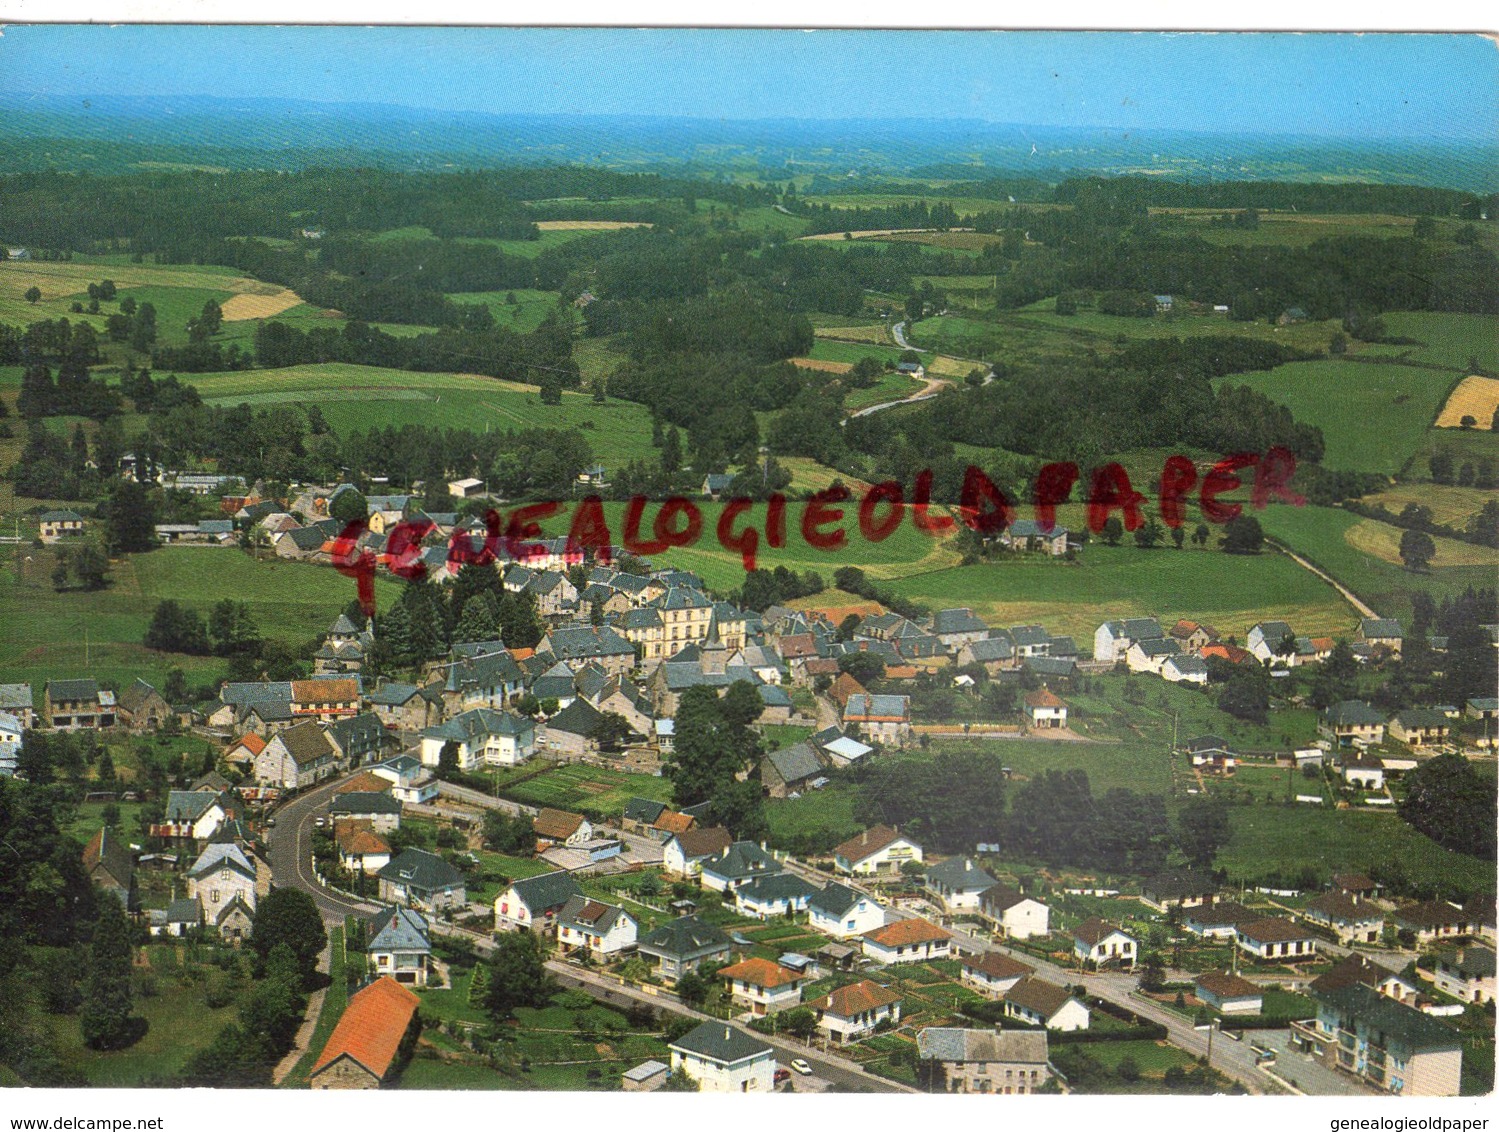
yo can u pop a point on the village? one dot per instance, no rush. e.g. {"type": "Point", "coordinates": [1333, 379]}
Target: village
{"type": "Point", "coordinates": [500, 791]}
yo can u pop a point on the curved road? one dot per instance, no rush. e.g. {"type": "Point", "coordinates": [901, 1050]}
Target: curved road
{"type": "Point", "coordinates": [289, 846]}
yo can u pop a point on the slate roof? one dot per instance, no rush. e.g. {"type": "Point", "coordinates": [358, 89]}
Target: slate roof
{"type": "Point", "coordinates": [1001, 898]}
{"type": "Point", "coordinates": [835, 899]}
{"type": "Point", "coordinates": [991, 649]}
{"type": "Point", "coordinates": [956, 621]}
{"type": "Point", "coordinates": [306, 742]}
{"type": "Point", "coordinates": [371, 1028]}
{"type": "Point", "coordinates": [591, 915]}
{"type": "Point", "coordinates": [645, 810]}
{"type": "Point", "coordinates": [185, 910]}
{"type": "Point", "coordinates": [796, 762]}
{"type": "Point", "coordinates": [1353, 713]}
{"type": "Point", "coordinates": [71, 690]}
{"type": "Point", "coordinates": [1380, 628]}
{"type": "Point", "coordinates": [15, 697]}
{"type": "Point", "coordinates": [478, 723]}
{"type": "Point", "coordinates": [960, 874]}
{"type": "Point", "coordinates": [187, 805]}
{"type": "Point", "coordinates": [549, 890]}
{"type": "Point", "coordinates": [135, 696]}
{"type": "Point", "coordinates": [878, 707]}
{"type": "Point", "coordinates": [578, 718]}
{"type": "Point", "coordinates": [423, 871]}
{"type": "Point", "coordinates": [399, 929]}
{"type": "Point", "coordinates": [685, 937]}
{"type": "Point", "coordinates": [720, 1042]}
{"type": "Point", "coordinates": [740, 861]}
{"type": "Point", "coordinates": [776, 888]}
{"type": "Point", "coordinates": [583, 642]}
{"type": "Point", "coordinates": [221, 856]}
{"type": "Point", "coordinates": [364, 802]}
{"type": "Point", "coordinates": [113, 854]}
{"type": "Point", "coordinates": [941, 1043]}
{"type": "Point", "coordinates": [1051, 665]}
{"type": "Point", "coordinates": [1401, 1025]}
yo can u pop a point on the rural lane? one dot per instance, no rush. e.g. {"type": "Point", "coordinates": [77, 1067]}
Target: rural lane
{"type": "Point", "coordinates": [1348, 595]}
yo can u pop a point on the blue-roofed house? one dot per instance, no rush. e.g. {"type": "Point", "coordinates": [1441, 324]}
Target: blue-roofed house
{"type": "Point", "coordinates": [400, 946]}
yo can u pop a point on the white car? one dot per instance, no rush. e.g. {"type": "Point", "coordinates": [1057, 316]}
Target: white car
{"type": "Point", "coordinates": [802, 1067]}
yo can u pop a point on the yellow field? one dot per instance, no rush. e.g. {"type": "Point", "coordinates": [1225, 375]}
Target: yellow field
{"type": "Point", "coordinates": [1450, 506]}
{"type": "Point", "coordinates": [942, 365]}
{"type": "Point", "coordinates": [247, 306]}
{"type": "Point", "coordinates": [808, 475]}
{"type": "Point", "coordinates": [876, 335]}
{"type": "Point", "coordinates": [1383, 541]}
{"type": "Point", "coordinates": [870, 233]}
{"type": "Point", "coordinates": [1475, 397]}
{"type": "Point", "coordinates": [72, 278]}
{"type": "Point", "coordinates": [822, 366]}
{"type": "Point", "coordinates": [588, 225]}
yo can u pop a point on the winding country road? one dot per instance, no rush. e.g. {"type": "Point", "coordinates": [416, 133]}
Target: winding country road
{"type": "Point", "coordinates": [1348, 595]}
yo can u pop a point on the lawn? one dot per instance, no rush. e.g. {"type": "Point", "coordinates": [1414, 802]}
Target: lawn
{"type": "Point", "coordinates": [1152, 1058]}
{"type": "Point", "coordinates": [819, 819]}
{"type": "Point", "coordinates": [597, 789]}
{"type": "Point", "coordinates": [525, 315]}
{"type": "Point", "coordinates": [1450, 340]}
{"type": "Point", "coordinates": [335, 999]}
{"type": "Point", "coordinates": [1230, 591]}
{"type": "Point", "coordinates": [1449, 505]}
{"type": "Point", "coordinates": [354, 398]}
{"type": "Point", "coordinates": [51, 635]}
{"type": "Point", "coordinates": [1354, 402]}
{"type": "Point", "coordinates": [1140, 765]}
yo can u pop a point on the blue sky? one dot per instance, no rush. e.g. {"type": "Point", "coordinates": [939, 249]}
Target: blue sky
{"type": "Point", "coordinates": [1431, 86]}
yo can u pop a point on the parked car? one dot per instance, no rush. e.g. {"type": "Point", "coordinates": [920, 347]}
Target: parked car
{"type": "Point", "coordinates": [782, 1075]}
{"type": "Point", "coordinates": [802, 1067]}
{"type": "Point", "coordinates": [270, 823]}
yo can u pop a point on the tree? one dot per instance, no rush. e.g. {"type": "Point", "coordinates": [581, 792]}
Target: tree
{"type": "Point", "coordinates": [105, 1016]}
{"type": "Point", "coordinates": [289, 916]}
{"type": "Point", "coordinates": [517, 976]}
{"type": "Point", "coordinates": [1417, 550]}
{"type": "Point", "coordinates": [349, 506]}
{"type": "Point", "coordinates": [693, 989]}
{"type": "Point", "coordinates": [129, 518]}
{"type": "Point", "coordinates": [1113, 530]}
{"type": "Point", "coordinates": [33, 294]}
{"type": "Point", "coordinates": [1201, 534]}
{"type": "Point", "coordinates": [447, 759]}
{"type": "Point", "coordinates": [1202, 829]}
{"type": "Point", "coordinates": [1243, 535]}
{"type": "Point", "coordinates": [551, 390]}
{"type": "Point", "coordinates": [671, 452]}
{"type": "Point", "coordinates": [60, 571]}
{"type": "Point", "coordinates": [176, 628]}
{"type": "Point", "coordinates": [232, 630]}
{"type": "Point", "coordinates": [1149, 535]}
{"type": "Point", "coordinates": [91, 568]}
{"type": "Point", "coordinates": [611, 731]}
{"type": "Point", "coordinates": [1450, 802]}
{"type": "Point", "coordinates": [740, 808]}
{"type": "Point", "coordinates": [1178, 536]}
{"type": "Point", "coordinates": [514, 836]}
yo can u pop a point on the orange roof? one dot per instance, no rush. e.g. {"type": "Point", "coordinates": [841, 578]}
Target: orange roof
{"type": "Point", "coordinates": [844, 687]}
{"type": "Point", "coordinates": [366, 783]}
{"type": "Point", "coordinates": [672, 822]}
{"type": "Point", "coordinates": [856, 998]}
{"type": "Point", "coordinates": [1042, 698]}
{"type": "Point", "coordinates": [1323, 644]}
{"type": "Point", "coordinates": [372, 1026]}
{"type": "Point", "coordinates": [867, 844]}
{"type": "Point", "coordinates": [900, 672]}
{"type": "Point", "coordinates": [760, 973]}
{"type": "Point", "coordinates": [556, 824]}
{"type": "Point", "coordinates": [250, 742]}
{"type": "Point", "coordinates": [356, 839]}
{"type": "Point", "coordinates": [522, 654]}
{"type": "Point", "coordinates": [324, 691]}
{"type": "Point", "coordinates": [904, 933]}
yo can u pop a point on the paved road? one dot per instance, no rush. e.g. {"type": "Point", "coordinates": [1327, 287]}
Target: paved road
{"type": "Point", "coordinates": [289, 846]}
{"type": "Point", "coordinates": [898, 332]}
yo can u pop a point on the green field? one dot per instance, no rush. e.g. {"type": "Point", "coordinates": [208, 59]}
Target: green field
{"type": "Point", "coordinates": [51, 635]}
{"type": "Point", "coordinates": [354, 398]}
{"type": "Point", "coordinates": [1447, 339]}
{"type": "Point", "coordinates": [530, 308]}
{"type": "Point", "coordinates": [579, 787]}
{"type": "Point", "coordinates": [1231, 591]}
{"type": "Point", "coordinates": [1373, 416]}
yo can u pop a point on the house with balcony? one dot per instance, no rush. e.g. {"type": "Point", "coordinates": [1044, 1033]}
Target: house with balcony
{"type": "Point", "coordinates": [762, 987]}
{"type": "Point", "coordinates": [401, 946]}
{"type": "Point", "coordinates": [1383, 1043]}
{"type": "Point", "coordinates": [600, 929]}
{"type": "Point", "coordinates": [855, 1011]}
{"type": "Point", "coordinates": [958, 882]}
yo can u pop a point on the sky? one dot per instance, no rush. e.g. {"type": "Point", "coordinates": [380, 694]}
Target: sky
{"type": "Point", "coordinates": [1434, 86]}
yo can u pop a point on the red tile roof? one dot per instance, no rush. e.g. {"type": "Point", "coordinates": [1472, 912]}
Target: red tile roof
{"type": "Point", "coordinates": [371, 1028]}
{"type": "Point", "coordinates": [867, 844]}
{"type": "Point", "coordinates": [904, 933]}
{"type": "Point", "coordinates": [557, 824]}
{"type": "Point", "coordinates": [856, 998]}
{"type": "Point", "coordinates": [672, 822]}
{"type": "Point", "coordinates": [760, 973]}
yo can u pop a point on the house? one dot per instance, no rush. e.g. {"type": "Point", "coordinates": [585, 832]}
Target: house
{"type": "Point", "coordinates": [235, 921]}
{"type": "Point", "coordinates": [16, 700]}
{"type": "Point", "coordinates": [142, 707]}
{"type": "Point", "coordinates": [485, 737]}
{"type": "Point", "coordinates": [1178, 890]}
{"type": "Point", "coordinates": [993, 973]}
{"type": "Point", "coordinates": [1271, 642]}
{"type": "Point", "coordinates": [878, 850]}
{"type": "Point", "coordinates": [1043, 709]}
{"type": "Point", "coordinates": [762, 986]}
{"type": "Point", "coordinates": [1039, 1003]}
{"type": "Point", "coordinates": [842, 912]}
{"type": "Point", "coordinates": [194, 815]}
{"type": "Point", "coordinates": [1421, 727]}
{"type": "Point", "coordinates": [182, 916]}
{"type": "Point", "coordinates": [842, 751]}
{"type": "Point", "coordinates": [1229, 994]}
{"type": "Point", "coordinates": [360, 848]}
{"type": "Point", "coordinates": [241, 753]}
{"type": "Point", "coordinates": [560, 827]}
{"type": "Point", "coordinates": [740, 863]}
{"type": "Point", "coordinates": [1431, 920]}
{"type": "Point", "coordinates": [790, 769]}
{"type": "Point", "coordinates": [374, 1036]}
{"type": "Point", "coordinates": [956, 628]}
{"type": "Point", "coordinates": [1211, 754]}
{"type": "Point", "coordinates": [1276, 938]}
{"type": "Point", "coordinates": [1150, 656]}
{"type": "Point", "coordinates": [1354, 884]}
{"type": "Point", "coordinates": [382, 811]}
{"type": "Point", "coordinates": [360, 739]}
{"type": "Point", "coordinates": [405, 707]}
{"type": "Point", "coordinates": [1383, 1043]}
{"type": "Point", "coordinates": [958, 883]}
{"type": "Point", "coordinates": [1351, 918]}
{"type": "Point", "coordinates": [55, 525]}
{"type": "Point", "coordinates": [1113, 639]}
{"type": "Point", "coordinates": [325, 699]}
{"type": "Point", "coordinates": [602, 930]}
{"type": "Point", "coordinates": [1350, 722]}
{"type": "Point", "coordinates": [419, 879]}
{"type": "Point", "coordinates": [1099, 942]}
{"type": "Point", "coordinates": [1013, 914]}
{"type": "Point", "coordinates": [78, 705]}
{"type": "Point", "coordinates": [724, 1059]}
{"type": "Point", "coordinates": [573, 728]}
{"type": "Point", "coordinates": [987, 1062]}
{"type": "Point", "coordinates": [465, 488]}
{"type": "Point", "coordinates": [223, 874]}
{"type": "Point", "coordinates": [995, 653]}
{"type": "Point", "coordinates": [779, 895]}
{"type": "Point", "coordinates": [109, 865]}
{"type": "Point", "coordinates": [1192, 635]}
{"type": "Point", "coordinates": [882, 719]}
{"type": "Point", "coordinates": [1466, 973]}
{"type": "Point", "coordinates": [12, 736]}
{"type": "Point", "coordinates": [1382, 632]}
{"type": "Point", "coordinates": [684, 853]}
{"type": "Point", "coordinates": [683, 945]}
{"type": "Point", "coordinates": [1356, 969]}
{"type": "Point", "coordinates": [1185, 669]}
{"type": "Point", "coordinates": [906, 941]}
{"type": "Point", "coordinates": [1029, 535]}
{"type": "Point", "coordinates": [296, 757]}
{"type": "Point", "coordinates": [410, 782]}
{"type": "Point", "coordinates": [715, 484]}
{"type": "Point", "coordinates": [534, 902]}
{"type": "Point", "coordinates": [855, 1011]}
{"type": "Point", "coordinates": [1363, 771]}
{"type": "Point", "coordinates": [400, 946]}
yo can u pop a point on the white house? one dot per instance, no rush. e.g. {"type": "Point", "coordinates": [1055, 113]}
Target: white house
{"type": "Point", "coordinates": [855, 1011]}
{"type": "Point", "coordinates": [600, 929]}
{"type": "Point", "coordinates": [535, 901]}
{"type": "Point", "coordinates": [724, 1059]}
{"type": "Point", "coordinates": [683, 855]}
{"type": "Point", "coordinates": [223, 872]}
{"type": "Point", "coordinates": [842, 912]}
{"type": "Point", "coordinates": [779, 895]}
{"type": "Point", "coordinates": [1151, 656]}
{"type": "Point", "coordinates": [194, 813]}
{"type": "Point", "coordinates": [958, 882]}
{"type": "Point", "coordinates": [1185, 669]}
{"type": "Point", "coordinates": [906, 941]}
{"type": "Point", "coordinates": [762, 986]}
{"type": "Point", "coordinates": [1112, 639]}
{"type": "Point", "coordinates": [11, 732]}
{"type": "Point", "coordinates": [1040, 1003]}
{"type": "Point", "coordinates": [561, 827]}
{"type": "Point", "coordinates": [993, 973]}
{"type": "Point", "coordinates": [1276, 938]}
{"type": "Point", "coordinates": [1351, 918]}
{"type": "Point", "coordinates": [1044, 709]}
{"type": "Point", "coordinates": [297, 757]}
{"type": "Point", "coordinates": [485, 737]}
{"type": "Point", "coordinates": [1097, 941]}
{"type": "Point", "coordinates": [878, 850]}
{"type": "Point", "coordinates": [400, 946]}
{"type": "Point", "coordinates": [1013, 914]}
{"type": "Point", "coordinates": [1229, 994]}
